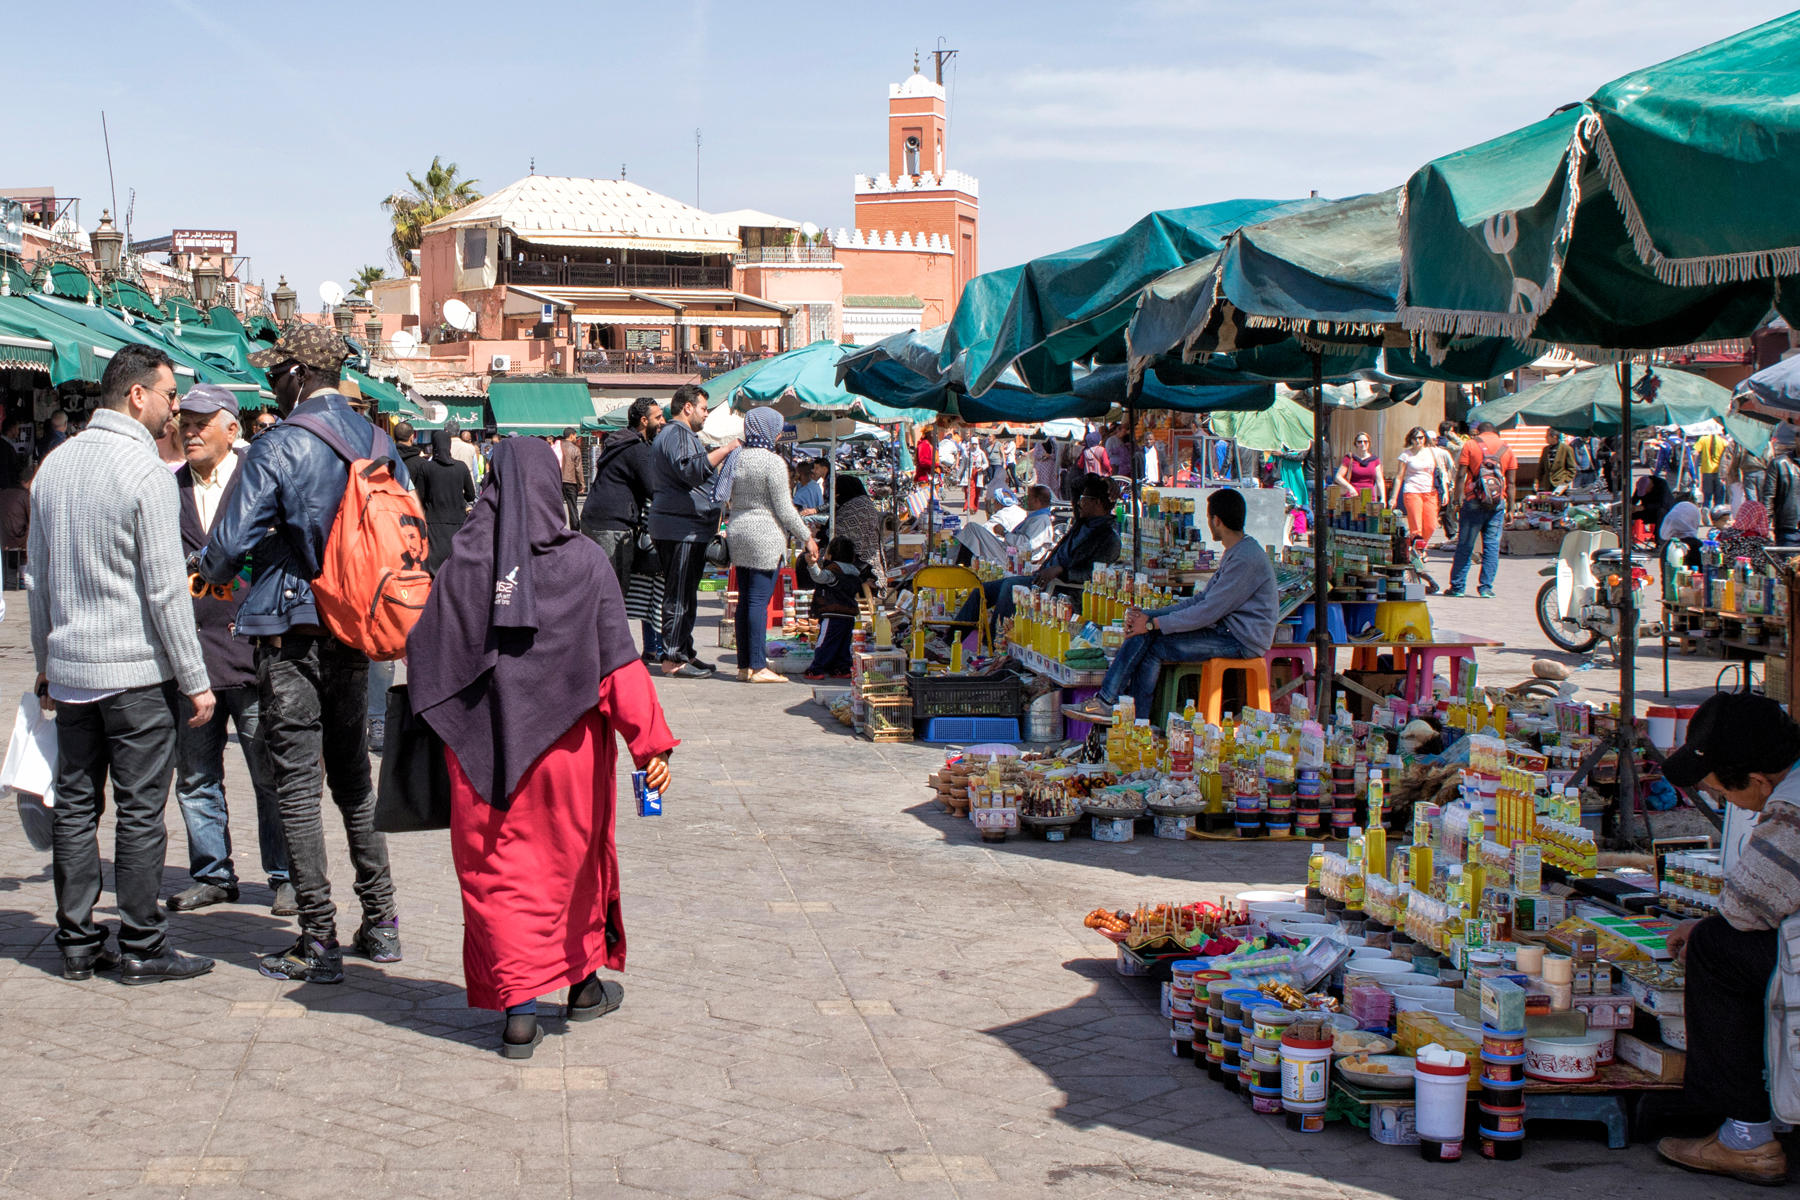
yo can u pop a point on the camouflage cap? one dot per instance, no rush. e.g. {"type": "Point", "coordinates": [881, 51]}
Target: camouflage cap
{"type": "Point", "coordinates": [317, 346]}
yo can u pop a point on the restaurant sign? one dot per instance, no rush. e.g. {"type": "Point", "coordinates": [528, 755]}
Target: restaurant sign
{"type": "Point", "coordinates": [203, 241]}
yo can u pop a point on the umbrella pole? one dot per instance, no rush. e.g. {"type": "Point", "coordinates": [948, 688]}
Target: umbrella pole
{"type": "Point", "coordinates": [1324, 652]}
{"type": "Point", "coordinates": [900, 432]}
{"type": "Point", "coordinates": [831, 477]}
{"type": "Point", "coordinates": [1627, 623]}
{"type": "Point", "coordinates": [1137, 524]}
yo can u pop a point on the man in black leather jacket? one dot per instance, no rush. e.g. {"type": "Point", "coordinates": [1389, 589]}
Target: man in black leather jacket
{"type": "Point", "coordinates": [313, 688]}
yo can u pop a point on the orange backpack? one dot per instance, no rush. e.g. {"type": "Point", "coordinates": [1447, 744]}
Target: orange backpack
{"type": "Point", "coordinates": [372, 585]}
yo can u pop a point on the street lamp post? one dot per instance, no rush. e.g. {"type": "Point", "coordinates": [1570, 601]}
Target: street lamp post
{"type": "Point", "coordinates": [207, 277]}
{"type": "Point", "coordinates": [344, 319]}
{"type": "Point", "coordinates": [283, 300]}
{"type": "Point", "coordinates": [108, 244]}
{"type": "Point", "coordinates": [372, 333]}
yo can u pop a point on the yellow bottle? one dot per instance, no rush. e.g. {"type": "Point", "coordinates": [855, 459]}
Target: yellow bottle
{"type": "Point", "coordinates": [956, 653]}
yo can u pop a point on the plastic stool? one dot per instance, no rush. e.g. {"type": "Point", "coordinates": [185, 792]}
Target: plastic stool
{"type": "Point", "coordinates": [1302, 658]}
{"type": "Point", "coordinates": [1421, 668]}
{"type": "Point", "coordinates": [1401, 620]}
{"type": "Point", "coordinates": [1365, 658]}
{"type": "Point", "coordinates": [784, 583]}
{"type": "Point", "coordinates": [1212, 685]}
{"type": "Point", "coordinates": [1334, 623]}
{"type": "Point", "coordinates": [1169, 688]}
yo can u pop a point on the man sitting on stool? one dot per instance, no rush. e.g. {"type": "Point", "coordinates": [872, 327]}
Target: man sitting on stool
{"type": "Point", "coordinates": [1742, 750]}
{"type": "Point", "coordinates": [1028, 531]}
{"type": "Point", "coordinates": [1234, 617]}
{"type": "Point", "coordinates": [1091, 539]}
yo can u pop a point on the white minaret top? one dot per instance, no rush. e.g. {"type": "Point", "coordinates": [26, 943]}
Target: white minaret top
{"type": "Point", "coordinates": [915, 85]}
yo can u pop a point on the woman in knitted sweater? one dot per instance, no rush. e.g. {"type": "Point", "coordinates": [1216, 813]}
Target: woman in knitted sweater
{"type": "Point", "coordinates": [763, 520]}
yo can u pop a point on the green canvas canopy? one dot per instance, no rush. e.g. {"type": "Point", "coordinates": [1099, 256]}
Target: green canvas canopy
{"type": "Point", "coordinates": [1586, 403]}
{"type": "Point", "coordinates": [1283, 426]}
{"type": "Point", "coordinates": [539, 406]}
{"type": "Point", "coordinates": [803, 382]}
{"type": "Point", "coordinates": [1657, 213]}
{"type": "Point", "coordinates": [1076, 303]}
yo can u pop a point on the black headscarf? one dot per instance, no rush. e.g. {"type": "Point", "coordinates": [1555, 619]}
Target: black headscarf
{"type": "Point", "coordinates": [440, 447]}
{"type": "Point", "coordinates": [524, 621]}
{"type": "Point", "coordinates": [848, 488]}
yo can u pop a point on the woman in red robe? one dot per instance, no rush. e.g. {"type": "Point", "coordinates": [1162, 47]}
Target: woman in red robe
{"type": "Point", "coordinates": [526, 668]}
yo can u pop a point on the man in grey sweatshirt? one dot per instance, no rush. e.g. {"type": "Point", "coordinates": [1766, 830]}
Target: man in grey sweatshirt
{"type": "Point", "coordinates": [1234, 617]}
{"type": "Point", "coordinates": [113, 635]}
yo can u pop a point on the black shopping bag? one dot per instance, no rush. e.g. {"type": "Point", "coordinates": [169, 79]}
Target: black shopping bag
{"type": "Point", "coordinates": [414, 792]}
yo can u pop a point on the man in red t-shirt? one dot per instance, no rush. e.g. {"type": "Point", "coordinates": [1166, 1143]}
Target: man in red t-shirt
{"type": "Point", "coordinates": [1486, 473]}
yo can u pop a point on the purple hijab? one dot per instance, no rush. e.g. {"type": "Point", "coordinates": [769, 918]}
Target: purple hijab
{"type": "Point", "coordinates": [524, 621]}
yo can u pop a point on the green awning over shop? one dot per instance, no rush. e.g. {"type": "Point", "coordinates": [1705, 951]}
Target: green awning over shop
{"type": "Point", "coordinates": [15, 357]}
{"type": "Point", "coordinates": [73, 354]}
{"type": "Point", "coordinates": [134, 299]}
{"type": "Point", "coordinates": [539, 406]}
{"type": "Point", "coordinates": [383, 395]}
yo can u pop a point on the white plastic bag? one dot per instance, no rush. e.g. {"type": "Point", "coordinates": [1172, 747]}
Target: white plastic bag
{"type": "Point", "coordinates": [31, 754]}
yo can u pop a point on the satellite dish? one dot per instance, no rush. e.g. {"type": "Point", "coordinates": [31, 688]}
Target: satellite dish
{"type": "Point", "coordinates": [458, 315]}
{"type": "Point", "coordinates": [403, 343]}
{"type": "Point", "coordinates": [436, 411]}
{"type": "Point", "coordinates": [810, 230]}
{"type": "Point", "coordinates": [331, 293]}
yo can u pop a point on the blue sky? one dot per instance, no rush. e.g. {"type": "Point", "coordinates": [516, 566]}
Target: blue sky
{"type": "Point", "coordinates": [290, 125]}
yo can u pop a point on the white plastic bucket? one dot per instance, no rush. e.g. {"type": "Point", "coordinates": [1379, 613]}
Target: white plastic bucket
{"type": "Point", "coordinates": [1442, 1095]}
{"type": "Point", "coordinates": [1662, 720]}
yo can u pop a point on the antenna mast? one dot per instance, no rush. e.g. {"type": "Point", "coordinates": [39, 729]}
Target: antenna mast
{"type": "Point", "coordinates": [939, 57]}
{"type": "Point", "coordinates": [696, 166]}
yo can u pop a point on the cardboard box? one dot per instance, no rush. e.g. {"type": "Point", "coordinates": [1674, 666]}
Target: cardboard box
{"type": "Point", "coordinates": [1663, 1063]}
{"type": "Point", "coordinates": [1606, 1012]}
{"type": "Point", "coordinates": [1661, 1002]}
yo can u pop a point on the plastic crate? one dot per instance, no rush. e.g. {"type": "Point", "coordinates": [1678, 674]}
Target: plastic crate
{"type": "Point", "coordinates": [953, 696]}
{"type": "Point", "coordinates": [971, 729]}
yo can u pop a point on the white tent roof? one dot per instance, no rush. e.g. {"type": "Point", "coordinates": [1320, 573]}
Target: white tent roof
{"type": "Point", "coordinates": [750, 218]}
{"type": "Point", "coordinates": [564, 211]}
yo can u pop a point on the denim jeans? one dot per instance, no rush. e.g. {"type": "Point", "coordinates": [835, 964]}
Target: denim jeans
{"type": "Point", "coordinates": [1478, 521]}
{"type": "Point", "coordinates": [754, 588]}
{"type": "Point", "coordinates": [1140, 660]}
{"type": "Point", "coordinates": [200, 788]}
{"type": "Point", "coordinates": [314, 693]}
{"type": "Point", "coordinates": [130, 739]}
{"type": "Point", "coordinates": [1728, 979]}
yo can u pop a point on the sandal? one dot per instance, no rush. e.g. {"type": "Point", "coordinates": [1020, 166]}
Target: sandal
{"type": "Point", "coordinates": [520, 1047]}
{"type": "Point", "coordinates": [610, 994]}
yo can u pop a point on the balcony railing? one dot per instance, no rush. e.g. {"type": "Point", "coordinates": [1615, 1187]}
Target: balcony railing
{"type": "Point", "coordinates": [777, 255]}
{"type": "Point", "coordinates": [626, 275]}
{"type": "Point", "coordinates": [660, 362]}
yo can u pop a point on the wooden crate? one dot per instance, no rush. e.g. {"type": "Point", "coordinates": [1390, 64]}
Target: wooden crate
{"type": "Point", "coordinates": [889, 718]}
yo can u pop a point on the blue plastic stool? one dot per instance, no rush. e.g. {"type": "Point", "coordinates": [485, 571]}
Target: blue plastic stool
{"type": "Point", "coordinates": [1334, 622]}
{"type": "Point", "coordinates": [1358, 616]}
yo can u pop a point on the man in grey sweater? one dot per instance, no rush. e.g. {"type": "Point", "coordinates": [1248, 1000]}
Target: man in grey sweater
{"type": "Point", "coordinates": [113, 635]}
{"type": "Point", "coordinates": [1234, 617]}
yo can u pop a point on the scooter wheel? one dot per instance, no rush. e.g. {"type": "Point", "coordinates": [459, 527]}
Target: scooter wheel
{"type": "Point", "coordinates": [1568, 635]}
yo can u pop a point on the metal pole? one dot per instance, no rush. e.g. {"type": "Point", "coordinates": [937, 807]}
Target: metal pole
{"type": "Point", "coordinates": [831, 477]}
{"type": "Point", "coordinates": [1324, 651]}
{"type": "Point", "coordinates": [1627, 623]}
{"type": "Point", "coordinates": [1131, 506]}
{"type": "Point", "coordinates": [894, 501]}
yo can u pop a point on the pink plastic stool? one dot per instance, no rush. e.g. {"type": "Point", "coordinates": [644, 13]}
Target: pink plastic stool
{"type": "Point", "coordinates": [1302, 657]}
{"type": "Point", "coordinates": [1421, 668]}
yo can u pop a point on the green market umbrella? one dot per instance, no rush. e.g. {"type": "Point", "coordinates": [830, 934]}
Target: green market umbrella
{"type": "Point", "coordinates": [1657, 213]}
{"type": "Point", "coordinates": [1075, 303]}
{"type": "Point", "coordinates": [804, 382]}
{"type": "Point", "coordinates": [1284, 426]}
{"type": "Point", "coordinates": [1586, 403]}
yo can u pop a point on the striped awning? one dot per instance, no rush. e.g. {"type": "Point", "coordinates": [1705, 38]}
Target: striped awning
{"type": "Point", "coordinates": [618, 319]}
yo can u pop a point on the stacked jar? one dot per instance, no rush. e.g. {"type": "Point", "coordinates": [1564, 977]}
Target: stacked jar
{"type": "Point", "coordinates": [1268, 1023]}
{"type": "Point", "coordinates": [1307, 791]}
{"type": "Point", "coordinates": [1502, 1092]}
{"type": "Point", "coordinates": [1181, 1004]}
{"type": "Point", "coordinates": [1281, 789]}
{"type": "Point", "coordinates": [1247, 784]}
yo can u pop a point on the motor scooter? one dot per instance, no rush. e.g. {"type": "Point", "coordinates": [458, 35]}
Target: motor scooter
{"type": "Point", "coordinates": [1581, 603]}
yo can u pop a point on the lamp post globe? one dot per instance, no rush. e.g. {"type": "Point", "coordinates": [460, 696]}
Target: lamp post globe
{"type": "Point", "coordinates": [108, 244]}
{"type": "Point", "coordinates": [207, 277]}
{"type": "Point", "coordinates": [283, 299]}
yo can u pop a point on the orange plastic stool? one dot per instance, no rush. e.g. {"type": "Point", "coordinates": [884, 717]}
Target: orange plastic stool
{"type": "Point", "coordinates": [1212, 685]}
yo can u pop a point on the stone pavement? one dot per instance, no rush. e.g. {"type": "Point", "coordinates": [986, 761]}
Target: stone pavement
{"type": "Point", "coordinates": [834, 990]}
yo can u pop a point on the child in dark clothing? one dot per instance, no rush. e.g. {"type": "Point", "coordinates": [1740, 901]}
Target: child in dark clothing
{"type": "Point", "coordinates": [838, 581]}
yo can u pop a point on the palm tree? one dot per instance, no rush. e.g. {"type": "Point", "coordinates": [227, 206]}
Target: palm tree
{"type": "Point", "coordinates": [368, 275]}
{"type": "Point", "coordinates": [436, 196]}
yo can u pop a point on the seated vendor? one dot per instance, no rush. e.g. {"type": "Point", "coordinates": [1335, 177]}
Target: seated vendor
{"type": "Point", "coordinates": [1234, 617]}
{"type": "Point", "coordinates": [1027, 531]}
{"type": "Point", "coordinates": [1740, 749]}
{"type": "Point", "coordinates": [1091, 539]}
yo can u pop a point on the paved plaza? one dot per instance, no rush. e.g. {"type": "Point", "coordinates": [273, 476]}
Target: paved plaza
{"type": "Point", "coordinates": [834, 990]}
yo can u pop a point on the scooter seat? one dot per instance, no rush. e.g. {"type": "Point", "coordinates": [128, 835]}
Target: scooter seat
{"type": "Point", "coordinates": [1607, 557]}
